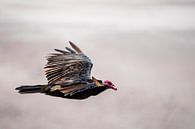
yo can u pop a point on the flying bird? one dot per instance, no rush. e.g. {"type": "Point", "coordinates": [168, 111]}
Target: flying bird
{"type": "Point", "coordinates": [69, 76]}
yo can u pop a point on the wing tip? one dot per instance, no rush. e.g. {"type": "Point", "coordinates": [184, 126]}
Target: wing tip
{"type": "Point", "coordinates": [61, 51]}
{"type": "Point", "coordinates": [75, 47]}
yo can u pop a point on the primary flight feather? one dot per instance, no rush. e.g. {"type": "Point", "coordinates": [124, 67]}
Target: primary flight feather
{"type": "Point", "coordinates": [69, 76]}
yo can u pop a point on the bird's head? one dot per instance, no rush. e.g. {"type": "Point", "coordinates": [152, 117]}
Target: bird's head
{"type": "Point", "coordinates": [109, 85]}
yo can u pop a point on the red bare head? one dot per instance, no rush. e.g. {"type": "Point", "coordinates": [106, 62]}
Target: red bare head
{"type": "Point", "coordinates": [109, 85]}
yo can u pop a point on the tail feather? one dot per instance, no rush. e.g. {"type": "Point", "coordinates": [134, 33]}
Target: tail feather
{"type": "Point", "coordinates": [30, 89]}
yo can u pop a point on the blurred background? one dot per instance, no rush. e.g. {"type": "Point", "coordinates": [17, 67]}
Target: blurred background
{"type": "Point", "coordinates": [146, 47]}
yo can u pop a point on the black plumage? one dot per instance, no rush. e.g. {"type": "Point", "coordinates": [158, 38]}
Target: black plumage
{"type": "Point", "coordinates": [69, 76]}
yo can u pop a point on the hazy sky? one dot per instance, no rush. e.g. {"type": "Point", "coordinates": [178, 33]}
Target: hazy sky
{"type": "Point", "coordinates": [145, 47]}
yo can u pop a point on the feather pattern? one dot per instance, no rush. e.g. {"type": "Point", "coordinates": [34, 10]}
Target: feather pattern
{"type": "Point", "coordinates": [68, 66]}
{"type": "Point", "coordinates": [69, 76]}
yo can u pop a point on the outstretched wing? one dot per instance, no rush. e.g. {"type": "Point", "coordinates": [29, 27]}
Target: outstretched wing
{"type": "Point", "coordinates": [68, 67]}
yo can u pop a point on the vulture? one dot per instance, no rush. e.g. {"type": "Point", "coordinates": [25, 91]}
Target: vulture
{"type": "Point", "coordinates": [69, 76]}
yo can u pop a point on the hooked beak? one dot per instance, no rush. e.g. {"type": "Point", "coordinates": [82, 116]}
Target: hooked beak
{"type": "Point", "coordinates": [113, 87]}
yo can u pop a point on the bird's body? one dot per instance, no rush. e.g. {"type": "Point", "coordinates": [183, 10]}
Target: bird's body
{"type": "Point", "coordinates": [68, 74]}
{"type": "Point", "coordinates": [80, 94]}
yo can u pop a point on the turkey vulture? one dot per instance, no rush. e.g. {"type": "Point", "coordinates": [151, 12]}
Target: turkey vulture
{"type": "Point", "coordinates": [69, 76]}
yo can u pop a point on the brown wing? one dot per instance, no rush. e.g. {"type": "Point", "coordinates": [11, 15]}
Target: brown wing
{"type": "Point", "coordinates": [75, 91]}
{"type": "Point", "coordinates": [68, 67]}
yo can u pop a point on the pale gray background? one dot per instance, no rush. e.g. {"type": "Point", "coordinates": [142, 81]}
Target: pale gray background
{"type": "Point", "coordinates": [146, 47]}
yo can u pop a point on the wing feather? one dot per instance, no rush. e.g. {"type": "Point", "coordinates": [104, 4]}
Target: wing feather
{"type": "Point", "coordinates": [76, 48]}
{"type": "Point", "coordinates": [68, 66]}
{"type": "Point", "coordinates": [70, 50]}
{"type": "Point", "coordinates": [61, 51]}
